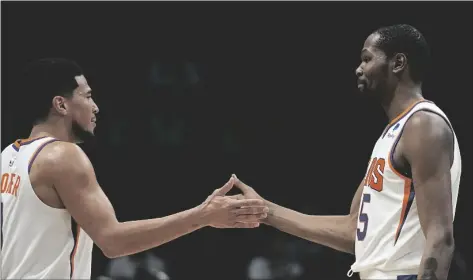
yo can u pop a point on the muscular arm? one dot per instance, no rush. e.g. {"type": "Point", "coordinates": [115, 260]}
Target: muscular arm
{"type": "Point", "coordinates": [427, 145]}
{"type": "Point", "coordinates": [73, 177]}
{"type": "Point", "coordinates": [337, 232]}
{"type": "Point", "coordinates": [77, 186]}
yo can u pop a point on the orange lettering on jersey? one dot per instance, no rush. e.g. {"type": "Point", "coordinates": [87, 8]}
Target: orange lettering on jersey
{"type": "Point", "coordinates": [4, 182]}
{"type": "Point", "coordinates": [376, 183]}
{"type": "Point", "coordinates": [370, 171]}
{"type": "Point", "coordinates": [374, 178]}
{"type": "Point", "coordinates": [17, 185]}
{"type": "Point", "coordinates": [10, 183]}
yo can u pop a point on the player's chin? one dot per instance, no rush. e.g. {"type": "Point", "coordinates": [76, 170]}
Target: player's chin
{"type": "Point", "coordinates": [361, 88]}
{"type": "Point", "coordinates": [88, 132]}
{"type": "Point", "coordinates": [92, 127]}
{"type": "Point", "coordinates": [365, 91]}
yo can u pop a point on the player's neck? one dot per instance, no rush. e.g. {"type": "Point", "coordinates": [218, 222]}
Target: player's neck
{"type": "Point", "coordinates": [53, 129]}
{"type": "Point", "coordinates": [404, 96]}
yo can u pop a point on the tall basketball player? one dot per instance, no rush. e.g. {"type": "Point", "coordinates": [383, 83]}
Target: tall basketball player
{"type": "Point", "coordinates": [53, 208]}
{"type": "Point", "coordinates": [400, 224]}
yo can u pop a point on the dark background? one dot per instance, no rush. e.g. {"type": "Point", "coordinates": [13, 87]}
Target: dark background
{"type": "Point", "coordinates": [190, 93]}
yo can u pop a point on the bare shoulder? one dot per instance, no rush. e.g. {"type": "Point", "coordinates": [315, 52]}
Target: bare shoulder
{"type": "Point", "coordinates": [61, 159]}
{"type": "Point", "coordinates": [428, 128]}
{"type": "Point", "coordinates": [427, 140]}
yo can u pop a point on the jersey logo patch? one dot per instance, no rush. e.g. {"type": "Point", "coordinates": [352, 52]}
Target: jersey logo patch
{"type": "Point", "coordinates": [391, 134]}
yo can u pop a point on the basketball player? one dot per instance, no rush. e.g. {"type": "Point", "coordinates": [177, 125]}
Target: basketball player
{"type": "Point", "coordinates": [53, 207]}
{"type": "Point", "coordinates": [400, 224]}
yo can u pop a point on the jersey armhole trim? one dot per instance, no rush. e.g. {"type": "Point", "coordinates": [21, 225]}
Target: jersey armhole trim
{"type": "Point", "coordinates": [75, 235]}
{"type": "Point", "coordinates": [391, 153]}
{"type": "Point", "coordinates": [402, 115]}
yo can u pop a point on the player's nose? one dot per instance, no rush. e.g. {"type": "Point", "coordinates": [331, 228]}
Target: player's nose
{"type": "Point", "coordinates": [358, 72]}
{"type": "Point", "coordinates": [95, 108]}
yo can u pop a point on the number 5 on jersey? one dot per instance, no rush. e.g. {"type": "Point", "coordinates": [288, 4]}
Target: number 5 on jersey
{"type": "Point", "coordinates": [373, 179]}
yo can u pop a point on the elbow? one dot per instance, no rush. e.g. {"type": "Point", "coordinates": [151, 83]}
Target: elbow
{"type": "Point", "coordinates": [448, 240]}
{"type": "Point", "coordinates": [447, 243]}
{"type": "Point", "coordinates": [107, 254]}
{"type": "Point", "coordinates": [108, 244]}
{"type": "Point", "coordinates": [442, 238]}
{"type": "Point", "coordinates": [108, 250]}
{"type": "Point", "coordinates": [112, 248]}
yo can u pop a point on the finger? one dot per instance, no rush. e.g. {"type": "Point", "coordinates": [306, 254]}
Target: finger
{"type": "Point", "coordinates": [250, 218]}
{"type": "Point", "coordinates": [247, 203]}
{"type": "Point", "coordinates": [236, 196]}
{"type": "Point", "coordinates": [227, 187]}
{"type": "Point", "coordinates": [246, 225]}
{"type": "Point", "coordinates": [210, 197]}
{"type": "Point", "coordinates": [239, 184]}
{"type": "Point", "coordinates": [251, 210]}
{"type": "Point", "coordinates": [218, 226]}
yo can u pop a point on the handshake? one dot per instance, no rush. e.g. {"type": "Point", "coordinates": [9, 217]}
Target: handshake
{"type": "Point", "coordinates": [246, 210]}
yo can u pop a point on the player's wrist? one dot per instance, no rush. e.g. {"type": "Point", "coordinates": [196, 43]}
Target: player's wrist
{"type": "Point", "coordinates": [270, 213]}
{"type": "Point", "coordinates": [202, 215]}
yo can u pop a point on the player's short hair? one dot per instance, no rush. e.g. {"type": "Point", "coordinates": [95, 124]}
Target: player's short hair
{"type": "Point", "coordinates": [406, 39]}
{"type": "Point", "coordinates": [46, 78]}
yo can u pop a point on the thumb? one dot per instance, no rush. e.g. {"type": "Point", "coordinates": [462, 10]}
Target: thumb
{"type": "Point", "coordinates": [227, 187]}
{"type": "Point", "coordinates": [239, 184]}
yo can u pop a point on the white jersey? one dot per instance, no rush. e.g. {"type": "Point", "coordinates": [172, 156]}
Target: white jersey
{"type": "Point", "coordinates": [389, 239]}
{"type": "Point", "coordinates": [38, 241]}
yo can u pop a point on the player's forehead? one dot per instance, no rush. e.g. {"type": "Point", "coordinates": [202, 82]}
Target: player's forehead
{"type": "Point", "coordinates": [82, 85]}
{"type": "Point", "coordinates": [370, 45]}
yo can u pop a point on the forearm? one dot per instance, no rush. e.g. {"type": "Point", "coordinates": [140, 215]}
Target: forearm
{"type": "Point", "coordinates": [437, 257]}
{"type": "Point", "coordinates": [337, 232]}
{"type": "Point", "coordinates": [135, 236]}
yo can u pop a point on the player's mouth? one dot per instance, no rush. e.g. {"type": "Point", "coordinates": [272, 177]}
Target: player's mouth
{"type": "Point", "coordinates": [361, 85]}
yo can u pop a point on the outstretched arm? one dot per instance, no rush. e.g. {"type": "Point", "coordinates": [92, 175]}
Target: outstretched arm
{"type": "Point", "coordinates": [73, 177]}
{"type": "Point", "coordinates": [337, 232]}
{"type": "Point", "coordinates": [427, 145]}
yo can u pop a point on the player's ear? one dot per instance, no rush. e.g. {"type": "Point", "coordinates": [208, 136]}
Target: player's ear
{"type": "Point", "coordinates": [60, 105]}
{"type": "Point", "coordinates": [399, 62]}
